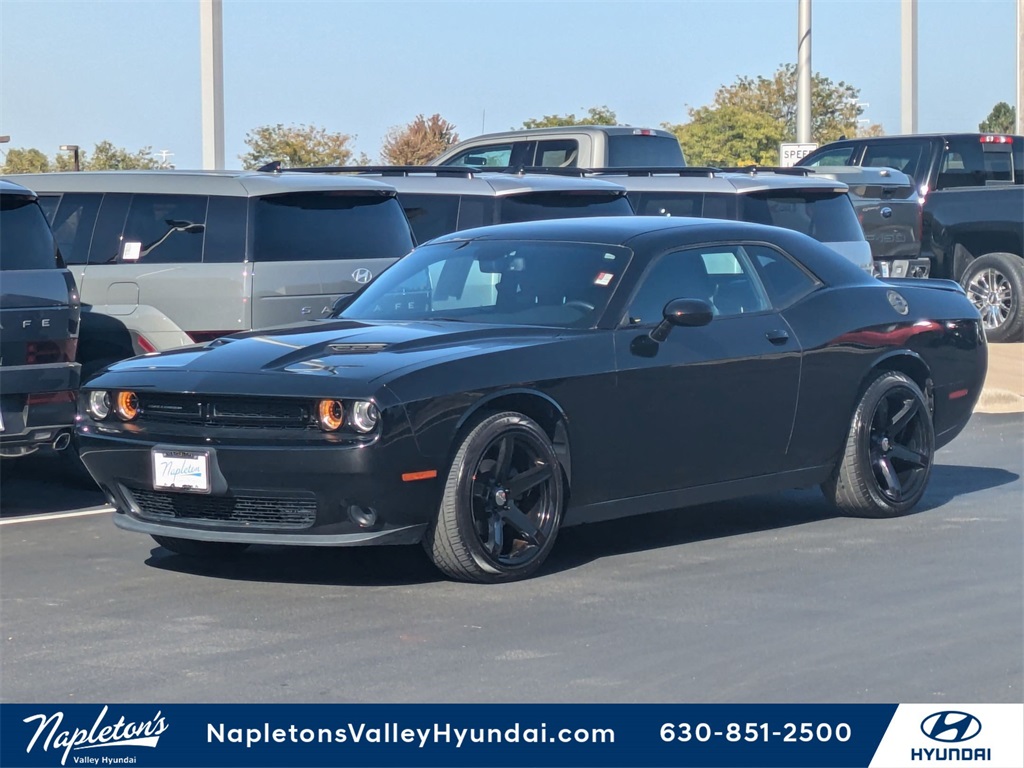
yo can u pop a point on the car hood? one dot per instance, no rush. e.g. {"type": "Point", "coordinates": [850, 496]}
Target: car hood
{"type": "Point", "coordinates": [368, 353]}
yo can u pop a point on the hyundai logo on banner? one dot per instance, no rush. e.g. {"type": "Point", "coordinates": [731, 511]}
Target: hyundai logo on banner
{"type": "Point", "coordinates": [951, 726]}
{"type": "Point", "coordinates": [362, 275]}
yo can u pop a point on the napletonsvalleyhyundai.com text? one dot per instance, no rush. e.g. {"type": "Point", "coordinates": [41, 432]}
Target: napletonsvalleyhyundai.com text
{"type": "Point", "coordinates": [394, 733]}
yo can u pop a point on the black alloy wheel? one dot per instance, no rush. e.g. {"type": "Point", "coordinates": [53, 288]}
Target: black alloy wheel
{"type": "Point", "coordinates": [502, 502]}
{"type": "Point", "coordinates": [888, 458]}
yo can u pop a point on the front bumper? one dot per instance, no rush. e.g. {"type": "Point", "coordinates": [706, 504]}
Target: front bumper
{"type": "Point", "coordinates": [311, 495]}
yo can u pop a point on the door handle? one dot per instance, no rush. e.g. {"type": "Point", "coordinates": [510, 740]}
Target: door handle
{"type": "Point", "coordinates": [777, 337]}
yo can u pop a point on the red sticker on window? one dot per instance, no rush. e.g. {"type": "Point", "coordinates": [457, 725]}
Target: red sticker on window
{"type": "Point", "coordinates": [604, 278]}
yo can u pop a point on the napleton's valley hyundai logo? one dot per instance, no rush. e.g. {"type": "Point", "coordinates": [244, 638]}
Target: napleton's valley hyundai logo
{"type": "Point", "coordinates": [951, 727]}
{"type": "Point", "coordinates": [362, 275]}
{"type": "Point", "coordinates": [52, 734]}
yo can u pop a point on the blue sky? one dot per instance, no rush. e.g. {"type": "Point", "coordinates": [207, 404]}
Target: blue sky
{"type": "Point", "coordinates": [81, 72]}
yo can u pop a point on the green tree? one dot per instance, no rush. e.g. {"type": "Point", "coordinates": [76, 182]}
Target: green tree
{"type": "Point", "coordinates": [65, 161]}
{"type": "Point", "coordinates": [594, 116]}
{"type": "Point", "coordinates": [107, 157]}
{"type": "Point", "coordinates": [26, 161]}
{"type": "Point", "coordinates": [753, 112]}
{"type": "Point", "coordinates": [1002, 119]}
{"type": "Point", "coordinates": [296, 146]}
{"type": "Point", "coordinates": [418, 142]}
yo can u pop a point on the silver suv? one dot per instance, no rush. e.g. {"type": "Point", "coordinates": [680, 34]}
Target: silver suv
{"type": "Point", "coordinates": [168, 258]}
{"type": "Point", "coordinates": [439, 200]}
{"type": "Point", "coordinates": [817, 207]}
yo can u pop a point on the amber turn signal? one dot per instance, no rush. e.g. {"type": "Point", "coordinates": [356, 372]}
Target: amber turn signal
{"type": "Point", "coordinates": [126, 405]}
{"type": "Point", "coordinates": [330, 415]}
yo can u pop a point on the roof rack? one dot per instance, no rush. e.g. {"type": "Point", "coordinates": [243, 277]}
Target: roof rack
{"type": "Point", "coordinates": [384, 170]}
{"type": "Point", "coordinates": [689, 170]}
{"type": "Point", "coordinates": [753, 170]}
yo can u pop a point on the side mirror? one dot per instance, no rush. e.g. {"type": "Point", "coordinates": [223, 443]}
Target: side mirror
{"type": "Point", "coordinates": [683, 312]}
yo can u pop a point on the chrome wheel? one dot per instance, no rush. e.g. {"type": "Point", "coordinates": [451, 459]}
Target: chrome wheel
{"type": "Point", "coordinates": [898, 447]}
{"type": "Point", "coordinates": [992, 293]}
{"type": "Point", "coordinates": [514, 498]}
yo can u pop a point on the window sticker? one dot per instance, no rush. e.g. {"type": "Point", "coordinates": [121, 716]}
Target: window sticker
{"type": "Point", "coordinates": [604, 278]}
{"type": "Point", "coordinates": [132, 251]}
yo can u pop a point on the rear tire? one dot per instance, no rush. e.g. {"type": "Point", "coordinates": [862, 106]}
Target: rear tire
{"type": "Point", "coordinates": [207, 550]}
{"type": "Point", "coordinates": [887, 461]}
{"type": "Point", "coordinates": [502, 502]}
{"type": "Point", "coordinates": [995, 285]}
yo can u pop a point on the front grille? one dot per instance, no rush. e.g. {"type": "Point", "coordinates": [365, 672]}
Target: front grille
{"type": "Point", "coordinates": [272, 512]}
{"type": "Point", "coordinates": [224, 411]}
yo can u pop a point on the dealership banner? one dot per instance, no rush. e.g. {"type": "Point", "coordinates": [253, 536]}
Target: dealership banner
{"type": "Point", "coordinates": [534, 735]}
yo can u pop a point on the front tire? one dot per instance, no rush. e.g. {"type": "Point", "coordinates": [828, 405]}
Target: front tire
{"type": "Point", "coordinates": [888, 457]}
{"type": "Point", "coordinates": [502, 502]}
{"type": "Point", "coordinates": [206, 550]}
{"type": "Point", "coordinates": [995, 285]}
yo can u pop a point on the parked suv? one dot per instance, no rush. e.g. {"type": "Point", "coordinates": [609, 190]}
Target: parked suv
{"type": "Point", "coordinates": [586, 146]}
{"type": "Point", "coordinates": [168, 258]}
{"type": "Point", "coordinates": [935, 161]}
{"type": "Point", "coordinates": [439, 200]}
{"type": "Point", "coordinates": [39, 315]}
{"type": "Point", "coordinates": [820, 208]}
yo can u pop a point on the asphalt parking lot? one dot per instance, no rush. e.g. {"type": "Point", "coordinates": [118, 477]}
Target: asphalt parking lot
{"type": "Point", "coordinates": [770, 599]}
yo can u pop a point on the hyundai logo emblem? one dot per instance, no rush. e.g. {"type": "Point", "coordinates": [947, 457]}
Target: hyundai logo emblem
{"type": "Point", "coordinates": [951, 726]}
{"type": "Point", "coordinates": [362, 275]}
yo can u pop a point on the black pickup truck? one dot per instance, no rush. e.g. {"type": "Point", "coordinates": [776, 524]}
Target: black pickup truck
{"type": "Point", "coordinates": [975, 235]}
{"type": "Point", "coordinates": [39, 315]}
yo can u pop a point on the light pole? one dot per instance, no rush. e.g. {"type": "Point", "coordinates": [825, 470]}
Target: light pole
{"type": "Point", "coordinates": [73, 149]}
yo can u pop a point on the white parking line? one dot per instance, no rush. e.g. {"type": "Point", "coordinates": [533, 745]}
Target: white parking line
{"type": "Point", "coordinates": [106, 508]}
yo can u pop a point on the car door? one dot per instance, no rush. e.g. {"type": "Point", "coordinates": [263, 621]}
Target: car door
{"type": "Point", "coordinates": [708, 404]}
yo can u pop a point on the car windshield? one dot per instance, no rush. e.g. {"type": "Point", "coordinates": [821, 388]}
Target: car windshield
{"type": "Point", "coordinates": [514, 282]}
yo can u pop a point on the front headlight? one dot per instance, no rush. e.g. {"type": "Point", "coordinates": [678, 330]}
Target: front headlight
{"type": "Point", "coordinates": [330, 415]}
{"type": "Point", "coordinates": [99, 404]}
{"type": "Point", "coordinates": [126, 405]}
{"type": "Point", "coordinates": [364, 416]}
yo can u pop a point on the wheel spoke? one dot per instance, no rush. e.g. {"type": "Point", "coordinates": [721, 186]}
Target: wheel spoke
{"type": "Point", "coordinates": [892, 480]}
{"type": "Point", "coordinates": [522, 523]}
{"type": "Point", "coordinates": [504, 462]}
{"type": "Point", "coordinates": [495, 535]}
{"type": "Point", "coordinates": [908, 456]}
{"type": "Point", "coordinates": [903, 417]}
{"type": "Point", "coordinates": [531, 478]}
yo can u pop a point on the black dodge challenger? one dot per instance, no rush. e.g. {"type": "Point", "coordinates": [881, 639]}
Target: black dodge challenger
{"type": "Point", "coordinates": [497, 384]}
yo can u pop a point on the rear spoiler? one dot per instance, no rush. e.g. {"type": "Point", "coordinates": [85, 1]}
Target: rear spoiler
{"type": "Point", "coordinates": [935, 283]}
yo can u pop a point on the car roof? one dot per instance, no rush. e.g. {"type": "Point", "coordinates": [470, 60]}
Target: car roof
{"type": "Point", "coordinates": [561, 130]}
{"type": "Point", "coordinates": [912, 136]}
{"type": "Point", "coordinates": [614, 229]}
{"type": "Point", "coordinates": [454, 180]}
{"type": "Point", "coordinates": [712, 180]}
{"type": "Point", "coordinates": [10, 188]}
{"type": "Point", "coordinates": [225, 183]}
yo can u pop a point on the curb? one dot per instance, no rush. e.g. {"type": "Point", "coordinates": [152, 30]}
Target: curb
{"type": "Point", "coordinates": [999, 401]}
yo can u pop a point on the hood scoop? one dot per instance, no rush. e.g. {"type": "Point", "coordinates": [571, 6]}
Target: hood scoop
{"type": "Point", "coordinates": [344, 348]}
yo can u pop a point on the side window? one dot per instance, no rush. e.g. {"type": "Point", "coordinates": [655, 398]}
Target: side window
{"type": "Point", "coordinates": [73, 225]}
{"type": "Point", "coordinates": [784, 281]}
{"type": "Point", "coordinates": [968, 163]}
{"type": "Point", "coordinates": [492, 155]}
{"type": "Point", "coordinates": [106, 238]}
{"type": "Point", "coordinates": [839, 156]}
{"type": "Point", "coordinates": [719, 274]}
{"type": "Point", "coordinates": [558, 153]}
{"type": "Point", "coordinates": [908, 158]}
{"type": "Point", "coordinates": [49, 205]}
{"type": "Point", "coordinates": [226, 224]}
{"type": "Point", "coordinates": [164, 229]}
{"type": "Point", "coordinates": [431, 215]}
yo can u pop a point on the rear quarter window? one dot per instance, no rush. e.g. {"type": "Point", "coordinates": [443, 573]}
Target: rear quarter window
{"type": "Point", "coordinates": [331, 226]}
{"type": "Point", "coordinates": [431, 215]}
{"type": "Point", "coordinates": [25, 238]}
{"type": "Point", "coordinates": [828, 217]}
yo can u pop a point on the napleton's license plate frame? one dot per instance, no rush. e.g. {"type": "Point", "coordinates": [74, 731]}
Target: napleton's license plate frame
{"type": "Point", "coordinates": [181, 470]}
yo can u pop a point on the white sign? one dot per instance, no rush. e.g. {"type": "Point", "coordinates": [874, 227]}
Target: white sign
{"type": "Point", "coordinates": [790, 154]}
{"type": "Point", "coordinates": [183, 470]}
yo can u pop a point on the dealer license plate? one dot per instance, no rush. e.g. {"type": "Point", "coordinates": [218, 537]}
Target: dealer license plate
{"type": "Point", "coordinates": [181, 470]}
